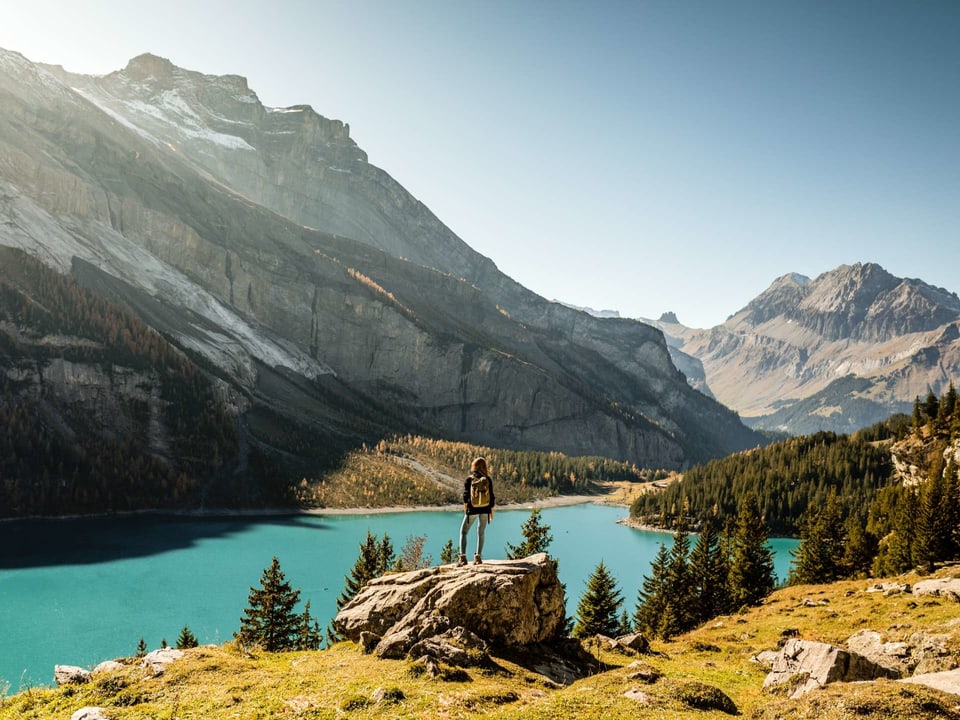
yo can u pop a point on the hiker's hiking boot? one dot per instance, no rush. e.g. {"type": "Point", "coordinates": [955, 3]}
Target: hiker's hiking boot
{"type": "Point", "coordinates": [461, 561]}
{"type": "Point", "coordinates": [477, 560]}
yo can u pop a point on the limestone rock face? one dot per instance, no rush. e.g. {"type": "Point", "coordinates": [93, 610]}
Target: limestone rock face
{"type": "Point", "coordinates": [505, 603]}
{"type": "Point", "coordinates": [804, 665]}
{"type": "Point", "coordinates": [70, 675]}
{"type": "Point", "coordinates": [264, 241]}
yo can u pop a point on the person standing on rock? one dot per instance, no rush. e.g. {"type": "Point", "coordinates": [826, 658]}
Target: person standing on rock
{"type": "Point", "coordinates": [478, 502]}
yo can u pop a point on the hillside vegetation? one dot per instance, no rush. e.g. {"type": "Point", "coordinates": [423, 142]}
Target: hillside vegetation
{"type": "Point", "coordinates": [341, 682]}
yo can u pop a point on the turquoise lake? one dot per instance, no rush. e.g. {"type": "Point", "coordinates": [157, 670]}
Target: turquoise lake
{"type": "Point", "coordinates": [80, 591]}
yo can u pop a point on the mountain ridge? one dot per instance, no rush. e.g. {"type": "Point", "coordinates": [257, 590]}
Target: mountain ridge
{"type": "Point", "coordinates": [837, 352]}
{"type": "Point", "coordinates": [404, 321]}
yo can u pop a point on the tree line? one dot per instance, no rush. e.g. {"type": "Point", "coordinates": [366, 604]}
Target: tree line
{"type": "Point", "coordinates": [55, 455]}
{"type": "Point", "coordinates": [907, 525]}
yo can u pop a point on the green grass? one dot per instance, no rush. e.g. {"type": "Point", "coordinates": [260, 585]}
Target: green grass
{"type": "Point", "coordinates": [220, 682]}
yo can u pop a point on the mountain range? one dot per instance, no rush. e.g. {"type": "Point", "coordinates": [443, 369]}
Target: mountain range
{"type": "Point", "coordinates": [329, 305]}
{"type": "Point", "coordinates": [838, 352]}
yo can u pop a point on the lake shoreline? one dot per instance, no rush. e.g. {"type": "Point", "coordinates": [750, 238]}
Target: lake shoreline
{"type": "Point", "coordinates": [212, 513]}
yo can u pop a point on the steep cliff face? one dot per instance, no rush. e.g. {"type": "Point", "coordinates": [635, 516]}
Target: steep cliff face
{"type": "Point", "coordinates": [838, 352]}
{"type": "Point", "coordinates": [262, 239]}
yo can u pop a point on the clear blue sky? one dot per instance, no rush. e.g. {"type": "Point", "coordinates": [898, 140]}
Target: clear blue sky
{"type": "Point", "coordinates": [639, 156]}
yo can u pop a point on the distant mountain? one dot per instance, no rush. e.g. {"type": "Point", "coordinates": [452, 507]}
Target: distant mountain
{"type": "Point", "coordinates": [838, 352]}
{"type": "Point", "coordinates": [335, 306]}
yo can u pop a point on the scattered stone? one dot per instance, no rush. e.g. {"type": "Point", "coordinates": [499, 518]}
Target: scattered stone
{"type": "Point", "coordinates": [643, 673]}
{"type": "Point", "coordinates": [894, 656]}
{"type": "Point", "coordinates": [890, 588]}
{"type": "Point", "coordinates": [804, 665]}
{"type": "Point", "coordinates": [89, 713]}
{"type": "Point", "coordinates": [388, 695]}
{"type": "Point", "coordinates": [70, 675]}
{"type": "Point", "coordinates": [705, 697]}
{"type": "Point", "coordinates": [458, 647]}
{"type": "Point", "coordinates": [948, 588]}
{"type": "Point", "coordinates": [636, 642]}
{"type": "Point", "coordinates": [157, 660]}
{"type": "Point", "coordinates": [765, 658]}
{"type": "Point", "coordinates": [108, 666]}
{"type": "Point", "coordinates": [807, 602]}
{"type": "Point", "coordinates": [947, 681]}
{"type": "Point", "coordinates": [637, 694]}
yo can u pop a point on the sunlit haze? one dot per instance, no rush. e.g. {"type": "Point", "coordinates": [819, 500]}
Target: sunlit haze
{"type": "Point", "coordinates": [636, 156]}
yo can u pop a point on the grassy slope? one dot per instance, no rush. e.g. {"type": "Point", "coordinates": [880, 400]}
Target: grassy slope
{"type": "Point", "coordinates": [221, 682]}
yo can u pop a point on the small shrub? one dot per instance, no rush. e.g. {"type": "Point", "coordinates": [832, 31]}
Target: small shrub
{"type": "Point", "coordinates": [357, 702]}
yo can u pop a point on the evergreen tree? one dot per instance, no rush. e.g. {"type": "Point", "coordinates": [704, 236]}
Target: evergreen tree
{"type": "Point", "coordinates": [708, 574]}
{"type": "Point", "coordinates": [896, 549]}
{"type": "Point", "coordinates": [269, 620]}
{"type": "Point", "coordinates": [680, 590]}
{"type": "Point", "coordinates": [652, 596]}
{"type": "Point", "coordinates": [750, 577]}
{"type": "Point", "coordinates": [930, 536]}
{"type": "Point", "coordinates": [141, 649]}
{"type": "Point", "coordinates": [536, 538]}
{"type": "Point", "coordinates": [308, 637]}
{"type": "Point", "coordinates": [860, 549]}
{"type": "Point", "coordinates": [186, 639]}
{"type": "Point", "coordinates": [376, 556]}
{"type": "Point", "coordinates": [598, 610]}
{"type": "Point", "coordinates": [950, 513]}
{"type": "Point", "coordinates": [447, 553]}
{"type": "Point", "coordinates": [819, 558]}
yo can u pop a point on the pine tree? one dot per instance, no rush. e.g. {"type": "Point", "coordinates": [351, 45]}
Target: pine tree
{"type": "Point", "coordinates": [860, 549]}
{"type": "Point", "coordinates": [269, 620]}
{"type": "Point", "coordinates": [141, 649]}
{"type": "Point", "coordinates": [652, 596]}
{"type": "Point", "coordinates": [536, 538]}
{"type": "Point", "coordinates": [376, 556]}
{"type": "Point", "coordinates": [896, 549]}
{"type": "Point", "coordinates": [308, 637]}
{"type": "Point", "coordinates": [447, 553]}
{"type": "Point", "coordinates": [750, 577]}
{"type": "Point", "coordinates": [186, 639]}
{"type": "Point", "coordinates": [598, 610]}
{"type": "Point", "coordinates": [930, 536]}
{"type": "Point", "coordinates": [708, 574]}
{"type": "Point", "coordinates": [679, 588]}
{"type": "Point", "coordinates": [819, 558]}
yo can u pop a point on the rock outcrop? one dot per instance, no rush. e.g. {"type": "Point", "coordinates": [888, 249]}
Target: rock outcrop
{"type": "Point", "coordinates": [804, 665]}
{"type": "Point", "coordinates": [506, 603]}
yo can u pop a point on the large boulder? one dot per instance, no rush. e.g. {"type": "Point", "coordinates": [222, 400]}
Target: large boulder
{"type": "Point", "coordinates": [506, 603]}
{"type": "Point", "coordinates": [948, 588]}
{"type": "Point", "coordinates": [804, 665]}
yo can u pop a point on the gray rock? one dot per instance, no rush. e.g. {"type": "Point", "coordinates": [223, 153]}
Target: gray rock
{"type": "Point", "coordinates": [948, 588]}
{"type": "Point", "coordinates": [89, 713]}
{"type": "Point", "coordinates": [157, 660]}
{"type": "Point", "coordinates": [947, 681]}
{"type": "Point", "coordinates": [636, 642]}
{"type": "Point", "coordinates": [457, 647]}
{"type": "Point", "coordinates": [506, 603]}
{"type": "Point", "coordinates": [897, 657]}
{"type": "Point", "coordinates": [108, 666]}
{"type": "Point", "coordinates": [804, 665]}
{"type": "Point", "coordinates": [70, 675]}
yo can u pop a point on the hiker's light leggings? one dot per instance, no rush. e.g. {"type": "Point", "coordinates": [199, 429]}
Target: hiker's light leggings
{"type": "Point", "coordinates": [465, 528]}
